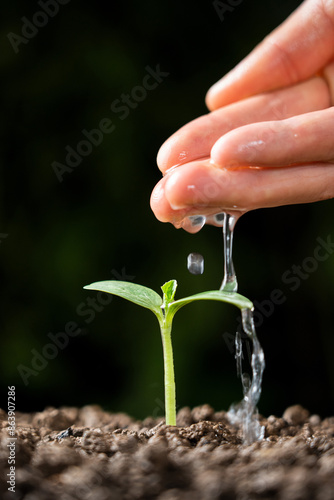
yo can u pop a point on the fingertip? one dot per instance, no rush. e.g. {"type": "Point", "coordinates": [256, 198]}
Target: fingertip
{"type": "Point", "coordinates": [163, 155]}
{"type": "Point", "coordinates": [226, 90]}
{"type": "Point", "coordinates": [225, 151]}
{"type": "Point", "coordinates": [161, 206]}
{"type": "Point", "coordinates": [215, 96]}
{"type": "Point", "coordinates": [157, 194]}
{"type": "Point", "coordinates": [195, 186]}
{"type": "Point", "coordinates": [209, 98]}
{"type": "Point", "coordinates": [158, 202]}
{"type": "Point", "coordinates": [171, 153]}
{"type": "Point", "coordinates": [172, 190]}
{"type": "Point", "coordinates": [215, 154]}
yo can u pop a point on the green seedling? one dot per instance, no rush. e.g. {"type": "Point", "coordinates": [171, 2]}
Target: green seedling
{"type": "Point", "coordinates": [164, 309]}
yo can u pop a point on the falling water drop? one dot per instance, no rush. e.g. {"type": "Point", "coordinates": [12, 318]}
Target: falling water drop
{"type": "Point", "coordinates": [195, 263]}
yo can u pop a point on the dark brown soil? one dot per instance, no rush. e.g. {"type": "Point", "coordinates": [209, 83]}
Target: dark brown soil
{"type": "Point", "coordinates": [89, 454]}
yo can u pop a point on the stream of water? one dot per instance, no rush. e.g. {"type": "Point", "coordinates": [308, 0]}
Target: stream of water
{"type": "Point", "coordinates": [230, 283]}
{"type": "Point", "coordinates": [244, 413]}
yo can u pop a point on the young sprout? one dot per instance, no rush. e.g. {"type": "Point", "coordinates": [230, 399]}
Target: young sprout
{"type": "Point", "coordinates": [164, 309]}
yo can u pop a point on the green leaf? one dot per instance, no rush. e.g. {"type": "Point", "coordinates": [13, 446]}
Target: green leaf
{"type": "Point", "coordinates": [137, 294]}
{"type": "Point", "coordinates": [231, 298]}
{"type": "Point", "coordinates": [169, 290]}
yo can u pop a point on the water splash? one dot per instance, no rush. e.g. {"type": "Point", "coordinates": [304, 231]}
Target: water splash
{"type": "Point", "coordinates": [245, 413]}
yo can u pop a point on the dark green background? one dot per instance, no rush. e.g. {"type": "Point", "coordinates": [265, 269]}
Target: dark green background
{"type": "Point", "coordinates": [98, 222]}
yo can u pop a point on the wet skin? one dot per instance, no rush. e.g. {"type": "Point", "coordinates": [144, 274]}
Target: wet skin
{"type": "Point", "coordinates": [268, 138]}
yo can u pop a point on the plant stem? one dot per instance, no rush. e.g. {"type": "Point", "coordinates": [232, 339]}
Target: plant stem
{"type": "Point", "coordinates": [170, 401]}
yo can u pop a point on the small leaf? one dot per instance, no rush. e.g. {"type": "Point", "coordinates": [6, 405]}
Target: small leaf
{"type": "Point", "coordinates": [231, 298]}
{"type": "Point", "coordinates": [138, 294]}
{"type": "Point", "coordinates": [169, 290]}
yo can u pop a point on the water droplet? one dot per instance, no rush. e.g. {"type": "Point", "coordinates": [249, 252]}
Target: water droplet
{"type": "Point", "coordinates": [219, 219]}
{"type": "Point", "coordinates": [193, 223]}
{"type": "Point", "coordinates": [197, 220]}
{"type": "Point", "coordinates": [195, 263]}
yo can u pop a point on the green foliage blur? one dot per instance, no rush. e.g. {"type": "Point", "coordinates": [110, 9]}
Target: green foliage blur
{"type": "Point", "coordinates": [96, 224]}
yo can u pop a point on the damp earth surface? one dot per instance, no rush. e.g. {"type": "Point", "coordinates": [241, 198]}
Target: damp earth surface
{"type": "Point", "coordinates": [87, 453]}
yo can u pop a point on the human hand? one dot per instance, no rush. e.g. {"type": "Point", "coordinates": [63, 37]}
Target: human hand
{"type": "Point", "coordinates": [269, 135]}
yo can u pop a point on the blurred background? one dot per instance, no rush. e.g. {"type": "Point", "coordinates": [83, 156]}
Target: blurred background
{"type": "Point", "coordinates": [62, 228]}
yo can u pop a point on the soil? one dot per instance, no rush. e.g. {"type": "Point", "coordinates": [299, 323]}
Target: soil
{"type": "Point", "coordinates": [89, 454]}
